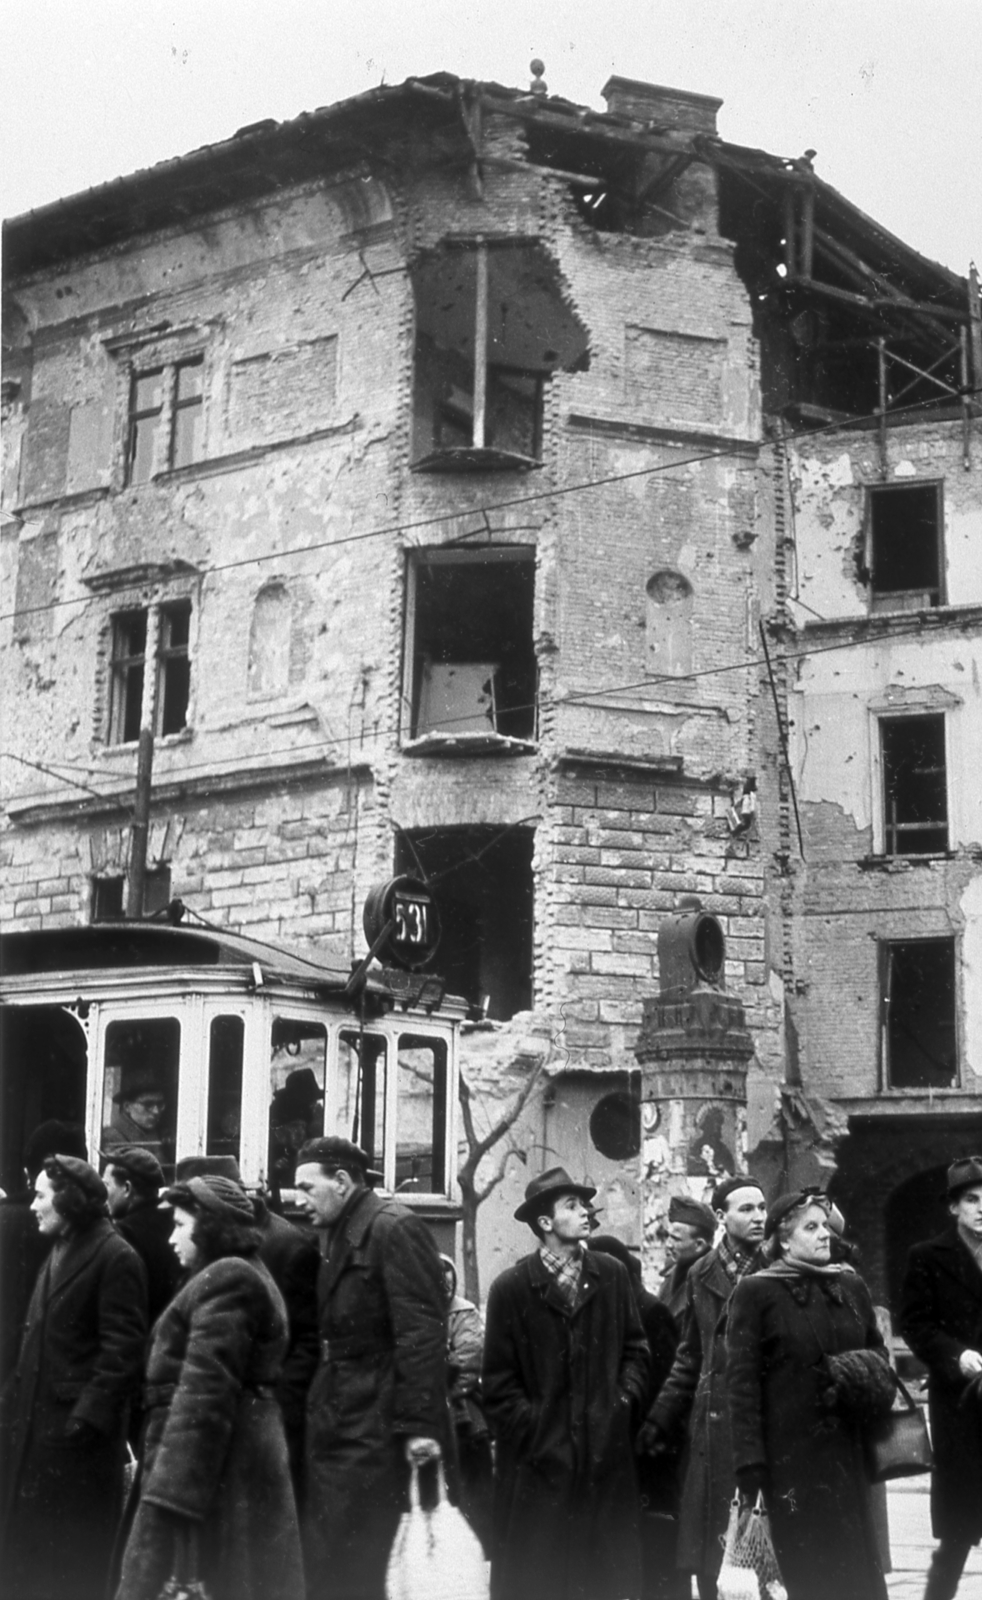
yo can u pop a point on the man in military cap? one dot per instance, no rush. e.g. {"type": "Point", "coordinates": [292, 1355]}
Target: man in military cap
{"type": "Point", "coordinates": [378, 1402]}
{"type": "Point", "coordinates": [691, 1230]}
{"type": "Point", "coordinates": [695, 1390]}
{"type": "Point", "coordinates": [565, 1378]}
{"type": "Point", "coordinates": [941, 1319]}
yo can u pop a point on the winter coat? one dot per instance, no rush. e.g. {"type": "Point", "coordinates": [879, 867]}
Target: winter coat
{"type": "Point", "coordinates": [148, 1230]}
{"type": "Point", "coordinates": [695, 1390]}
{"type": "Point", "coordinates": [819, 1495]}
{"type": "Point", "coordinates": [80, 1362]}
{"type": "Point", "coordinates": [293, 1259]}
{"type": "Point", "coordinates": [214, 1450]}
{"type": "Point", "coordinates": [658, 1475]}
{"type": "Point", "coordinates": [381, 1379]}
{"type": "Point", "coordinates": [561, 1391]}
{"type": "Point", "coordinates": [23, 1249]}
{"type": "Point", "coordinates": [942, 1316]}
{"type": "Point", "coordinates": [673, 1288]}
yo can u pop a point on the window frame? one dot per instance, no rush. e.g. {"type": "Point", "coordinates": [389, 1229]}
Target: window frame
{"type": "Point", "coordinates": [168, 412]}
{"type": "Point", "coordinates": [881, 824]}
{"type": "Point", "coordinates": [885, 956]}
{"type": "Point", "coordinates": [887, 600]}
{"type": "Point", "coordinates": [167, 655]}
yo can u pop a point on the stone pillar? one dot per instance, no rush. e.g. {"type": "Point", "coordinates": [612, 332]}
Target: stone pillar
{"type": "Point", "coordinates": [693, 1050]}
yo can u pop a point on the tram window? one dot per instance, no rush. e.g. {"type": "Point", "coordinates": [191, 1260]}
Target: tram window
{"type": "Point", "coordinates": [225, 1086]}
{"type": "Point", "coordinates": [357, 1109]}
{"type": "Point", "coordinates": [421, 1115]}
{"type": "Point", "coordinates": [298, 1065]}
{"type": "Point", "coordinates": [140, 1097]}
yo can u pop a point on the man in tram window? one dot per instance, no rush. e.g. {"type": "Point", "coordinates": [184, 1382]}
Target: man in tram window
{"type": "Point", "coordinates": [140, 1106]}
{"type": "Point", "coordinates": [295, 1115]}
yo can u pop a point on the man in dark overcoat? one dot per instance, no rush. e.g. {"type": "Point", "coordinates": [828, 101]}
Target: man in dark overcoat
{"type": "Point", "coordinates": [941, 1319]}
{"type": "Point", "coordinates": [64, 1409]}
{"type": "Point", "coordinates": [565, 1378]}
{"type": "Point", "coordinates": [695, 1390]}
{"type": "Point", "coordinates": [133, 1178]}
{"type": "Point", "coordinates": [378, 1401]}
{"type": "Point", "coordinates": [691, 1230]}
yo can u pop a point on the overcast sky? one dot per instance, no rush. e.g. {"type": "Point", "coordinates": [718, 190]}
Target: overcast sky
{"type": "Point", "coordinates": [887, 91]}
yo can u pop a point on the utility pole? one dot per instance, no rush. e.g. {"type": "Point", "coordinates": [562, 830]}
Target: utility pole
{"type": "Point", "coordinates": [140, 828]}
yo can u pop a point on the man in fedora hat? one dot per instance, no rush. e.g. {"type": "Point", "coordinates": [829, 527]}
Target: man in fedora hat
{"type": "Point", "coordinates": [378, 1402]}
{"type": "Point", "coordinates": [140, 1103]}
{"type": "Point", "coordinates": [941, 1319]}
{"type": "Point", "coordinates": [565, 1377]}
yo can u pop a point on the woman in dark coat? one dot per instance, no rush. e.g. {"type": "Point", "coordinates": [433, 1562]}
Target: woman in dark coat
{"type": "Point", "coordinates": [214, 1473]}
{"type": "Point", "coordinates": [796, 1419]}
{"type": "Point", "coordinates": [64, 1408]}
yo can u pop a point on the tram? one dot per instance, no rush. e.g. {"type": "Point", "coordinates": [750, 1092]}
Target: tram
{"type": "Point", "coordinates": [194, 1041]}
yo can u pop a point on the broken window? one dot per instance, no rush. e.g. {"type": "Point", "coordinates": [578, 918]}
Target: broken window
{"type": "Point", "coordinates": [109, 894]}
{"type": "Point", "coordinates": [165, 418]}
{"type": "Point", "coordinates": [905, 547]}
{"type": "Point", "coordinates": [129, 653]}
{"type": "Point", "coordinates": [470, 663]}
{"type": "Point", "coordinates": [919, 1014]}
{"type": "Point", "coordinates": [492, 325]}
{"type": "Point", "coordinates": [915, 796]}
{"type": "Point", "coordinates": [481, 879]}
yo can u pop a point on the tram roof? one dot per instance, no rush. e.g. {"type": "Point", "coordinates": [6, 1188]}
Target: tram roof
{"type": "Point", "coordinates": [127, 945]}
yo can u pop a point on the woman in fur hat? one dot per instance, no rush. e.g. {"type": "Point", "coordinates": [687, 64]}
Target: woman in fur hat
{"type": "Point", "coordinates": [215, 1493]}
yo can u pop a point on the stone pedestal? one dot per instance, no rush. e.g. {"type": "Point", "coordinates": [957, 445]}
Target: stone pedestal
{"type": "Point", "coordinates": [693, 1050]}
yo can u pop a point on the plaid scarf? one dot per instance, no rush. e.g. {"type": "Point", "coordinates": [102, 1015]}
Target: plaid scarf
{"type": "Point", "coordinates": [737, 1263]}
{"type": "Point", "coordinates": [567, 1272]}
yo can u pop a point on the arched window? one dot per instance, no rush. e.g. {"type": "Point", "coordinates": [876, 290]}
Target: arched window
{"type": "Point", "coordinates": [668, 633]}
{"type": "Point", "coordinates": [269, 642]}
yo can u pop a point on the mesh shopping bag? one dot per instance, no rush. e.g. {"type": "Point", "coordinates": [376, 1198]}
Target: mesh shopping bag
{"type": "Point", "coordinates": [435, 1555]}
{"type": "Point", "coordinates": [749, 1570]}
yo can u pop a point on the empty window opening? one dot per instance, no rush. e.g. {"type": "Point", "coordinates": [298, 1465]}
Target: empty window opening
{"type": "Point", "coordinates": [109, 894]}
{"type": "Point", "coordinates": [668, 629]}
{"type": "Point", "coordinates": [481, 879]}
{"type": "Point", "coordinates": [492, 325]}
{"type": "Point", "coordinates": [173, 665]}
{"type": "Point", "coordinates": [915, 798]}
{"type": "Point", "coordinates": [165, 418]}
{"type": "Point", "coordinates": [470, 662]}
{"type": "Point", "coordinates": [905, 547]}
{"type": "Point", "coordinates": [919, 1014]}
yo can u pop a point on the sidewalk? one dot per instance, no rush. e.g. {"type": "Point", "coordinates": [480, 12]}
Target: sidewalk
{"type": "Point", "coordinates": [911, 1543]}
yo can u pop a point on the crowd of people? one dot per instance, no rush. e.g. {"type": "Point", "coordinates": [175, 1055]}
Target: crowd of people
{"type": "Point", "coordinates": [273, 1398]}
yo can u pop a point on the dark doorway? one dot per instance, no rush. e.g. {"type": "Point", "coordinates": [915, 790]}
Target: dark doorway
{"type": "Point", "coordinates": [916, 1210]}
{"type": "Point", "coordinates": [43, 1050]}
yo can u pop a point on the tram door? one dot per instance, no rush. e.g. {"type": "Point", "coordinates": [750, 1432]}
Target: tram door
{"type": "Point", "coordinates": [44, 1056]}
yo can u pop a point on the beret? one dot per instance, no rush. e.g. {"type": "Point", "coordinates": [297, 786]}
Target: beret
{"type": "Point", "coordinates": [141, 1163]}
{"type": "Point", "coordinates": [786, 1203]}
{"type": "Point", "coordinates": [964, 1174]}
{"type": "Point", "coordinates": [220, 1196]}
{"type": "Point", "coordinates": [729, 1186]}
{"type": "Point", "coordinates": [80, 1173]}
{"type": "Point", "coordinates": [682, 1208]}
{"type": "Point", "coordinates": [337, 1154]}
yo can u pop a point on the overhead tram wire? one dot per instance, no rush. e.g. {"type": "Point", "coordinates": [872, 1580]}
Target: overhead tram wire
{"type": "Point", "coordinates": [574, 697]}
{"type": "Point", "coordinates": [396, 529]}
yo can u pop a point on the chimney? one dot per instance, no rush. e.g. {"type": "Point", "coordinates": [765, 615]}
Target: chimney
{"type": "Point", "coordinates": [676, 109]}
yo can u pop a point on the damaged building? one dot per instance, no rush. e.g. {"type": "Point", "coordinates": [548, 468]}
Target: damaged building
{"type": "Point", "coordinates": [486, 488]}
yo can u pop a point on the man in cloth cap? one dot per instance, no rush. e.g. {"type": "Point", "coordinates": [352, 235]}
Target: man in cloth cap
{"type": "Point", "coordinates": [691, 1230]}
{"type": "Point", "coordinates": [64, 1409]}
{"type": "Point", "coordinates": [695, 1390]}
{"type": "Point", "coordinates": [565, 1379]}
{"type": "Point", "coordinates": [134, 1178]}
{"type": "Point", "coordinates": [378, 1401]}
{"type": "Point", "coordinates": [941, 1319]}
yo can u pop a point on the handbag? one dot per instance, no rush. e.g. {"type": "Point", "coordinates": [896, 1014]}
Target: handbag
{"type": "Point", "coordinates": [435, 1555]}
{"type": "Point", "coordinates": [750, 1570]}
{"type": "Point", "coordinates": [898, 1446]}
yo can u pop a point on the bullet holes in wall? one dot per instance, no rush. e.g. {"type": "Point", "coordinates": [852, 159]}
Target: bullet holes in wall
{"type": "Point", "coordinates": [668, 625]}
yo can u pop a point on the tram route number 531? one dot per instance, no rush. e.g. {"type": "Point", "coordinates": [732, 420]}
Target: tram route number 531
{"type": "Point", "coordinates": [409, 906]}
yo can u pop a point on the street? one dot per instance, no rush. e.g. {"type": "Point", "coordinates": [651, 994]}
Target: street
{"type": "Point", "coordinates": [911, 1544]}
